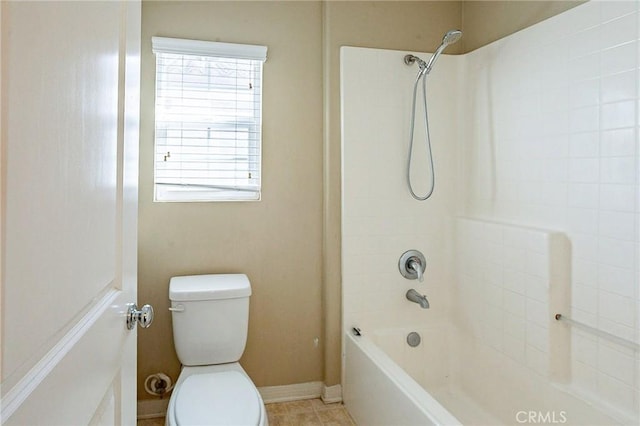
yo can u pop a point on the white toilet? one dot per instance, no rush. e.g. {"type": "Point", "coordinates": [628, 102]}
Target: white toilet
{"type": "Point", "coordinates": [210, 316]}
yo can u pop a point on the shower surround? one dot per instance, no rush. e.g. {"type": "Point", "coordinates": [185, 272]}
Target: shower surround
{"type": "Point", "coordinates": [535, 140]}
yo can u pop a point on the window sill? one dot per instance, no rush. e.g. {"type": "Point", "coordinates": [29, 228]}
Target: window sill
{"type": "Point", "coordinates": [198, 195]}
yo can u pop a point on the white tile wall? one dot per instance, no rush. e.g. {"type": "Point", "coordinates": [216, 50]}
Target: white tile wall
{"type": "Point", "coordinates": [579, 168]}
{"type": "Point", "coordinates": [507, 278]}
{"type": "Point", "coordinates": [380, 219]}
{"type": "Point", "coordinates": [547, 125]}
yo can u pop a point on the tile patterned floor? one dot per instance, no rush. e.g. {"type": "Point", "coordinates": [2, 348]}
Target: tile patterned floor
{"type": "Point", "coordinates": [158, 421]}
{"type": "Point", "coordinates": [308, 412]}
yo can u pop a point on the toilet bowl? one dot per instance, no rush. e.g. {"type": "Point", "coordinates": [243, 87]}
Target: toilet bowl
{"type": "Point", "coordinates": [215, 395]}
{"type": "Point", "coordinates": [210, 320]}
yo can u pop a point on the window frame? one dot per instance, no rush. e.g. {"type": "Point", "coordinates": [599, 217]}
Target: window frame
{"type": "Point", "coordinates": [194, 192]}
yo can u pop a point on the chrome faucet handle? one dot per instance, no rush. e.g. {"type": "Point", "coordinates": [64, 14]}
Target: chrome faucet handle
{"type": "Point", "coordinates": [412, 265]}
{"type": "Point", "coordinates": [415, 264]}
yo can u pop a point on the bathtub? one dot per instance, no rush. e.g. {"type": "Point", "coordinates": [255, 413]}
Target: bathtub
{"type": "Point", "coordinates": [378, 392]}
{"type": "Point", "coordinates": [450, 379]}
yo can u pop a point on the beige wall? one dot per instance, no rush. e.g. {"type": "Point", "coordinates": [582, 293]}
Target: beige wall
{"type": "Point", "coordinates": [486, 21]}
{"type": "Point", "coordinates": [277, 242]}
{"type": "Point", "coordinates": [288, 243]}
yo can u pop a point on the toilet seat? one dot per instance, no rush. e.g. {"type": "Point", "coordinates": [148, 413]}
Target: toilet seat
{"type": "Point", "coordinates": [219, 398]}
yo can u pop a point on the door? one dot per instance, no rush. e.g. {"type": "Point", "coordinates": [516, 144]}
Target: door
{"type": "Point", "coordinates": [69, 98]}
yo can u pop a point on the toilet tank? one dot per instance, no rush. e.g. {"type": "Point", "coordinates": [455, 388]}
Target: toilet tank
{"type": "Point", "coordinates": [210, 315]}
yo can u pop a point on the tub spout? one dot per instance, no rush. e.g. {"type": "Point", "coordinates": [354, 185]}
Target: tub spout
{"type": "Point", "coordinates": [416, 297]}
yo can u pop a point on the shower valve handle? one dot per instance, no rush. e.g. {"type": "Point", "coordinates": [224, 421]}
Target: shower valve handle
{"type": "Point", "coordinates": [412, 265]}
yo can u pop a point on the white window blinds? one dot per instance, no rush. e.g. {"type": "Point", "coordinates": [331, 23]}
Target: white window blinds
{"type": "Point", "coordinates": [208, 120]}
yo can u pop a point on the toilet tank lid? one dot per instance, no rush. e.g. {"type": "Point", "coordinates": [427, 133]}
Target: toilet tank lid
{"type": "Point", "coordinates": [209, 287]}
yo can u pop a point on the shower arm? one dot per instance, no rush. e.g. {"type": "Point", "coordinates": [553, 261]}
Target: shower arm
{"type": "Point", "coordinates": [411, 59]}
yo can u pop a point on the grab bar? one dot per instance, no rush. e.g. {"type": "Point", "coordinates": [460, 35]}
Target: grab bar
{"type": "Point", "coordinates": [612, 337]}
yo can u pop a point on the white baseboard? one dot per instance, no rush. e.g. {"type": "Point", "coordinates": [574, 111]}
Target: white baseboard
{"type": "Point", "coordinates": [309, 390]}
{"type": "Point", "coordinates": [331, 394]}
{"type": "Point", "coordinates": [152, 408]}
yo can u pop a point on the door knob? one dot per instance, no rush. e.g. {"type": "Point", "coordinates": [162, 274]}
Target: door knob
{"type": "Point", "coordinates": [144, 316]}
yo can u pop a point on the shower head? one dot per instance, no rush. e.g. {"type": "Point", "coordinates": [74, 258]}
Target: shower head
{"type": "Point", "coordinates": [449, 38]}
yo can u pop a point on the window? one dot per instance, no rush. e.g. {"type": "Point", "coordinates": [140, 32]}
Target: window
{"type": "Point", "coordinates": [207, 120]}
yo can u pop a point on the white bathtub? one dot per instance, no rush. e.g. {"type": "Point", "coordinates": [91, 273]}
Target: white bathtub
{"type": "Point", "coordinates": [451, 380]}
{"type": "Point", "coordinates": [378, 392]}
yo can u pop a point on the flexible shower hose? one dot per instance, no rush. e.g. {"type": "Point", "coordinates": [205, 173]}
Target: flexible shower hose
{"type": "Point", "coordinates": [423, 76]}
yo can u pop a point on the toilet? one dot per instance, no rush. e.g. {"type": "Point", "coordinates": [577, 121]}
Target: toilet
{"type": "Point", "coordinates": [210, 315]}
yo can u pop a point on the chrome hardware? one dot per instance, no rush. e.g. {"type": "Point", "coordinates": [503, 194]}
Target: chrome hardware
{"type": "Point", "coordinates": [600, 333]}
{"type": "Point", "coordinates": [416, 297]}
{"type": "Point", "coordinates": [177, 308]}
{"type": "Point", "coordinates": [410, 59]}
{"type": "Point", "coordinates": [413, 339]}
{"type": "Point", "coordinates": [412, 265]}
{"type": "Point", "coordinates": [144, 316]}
